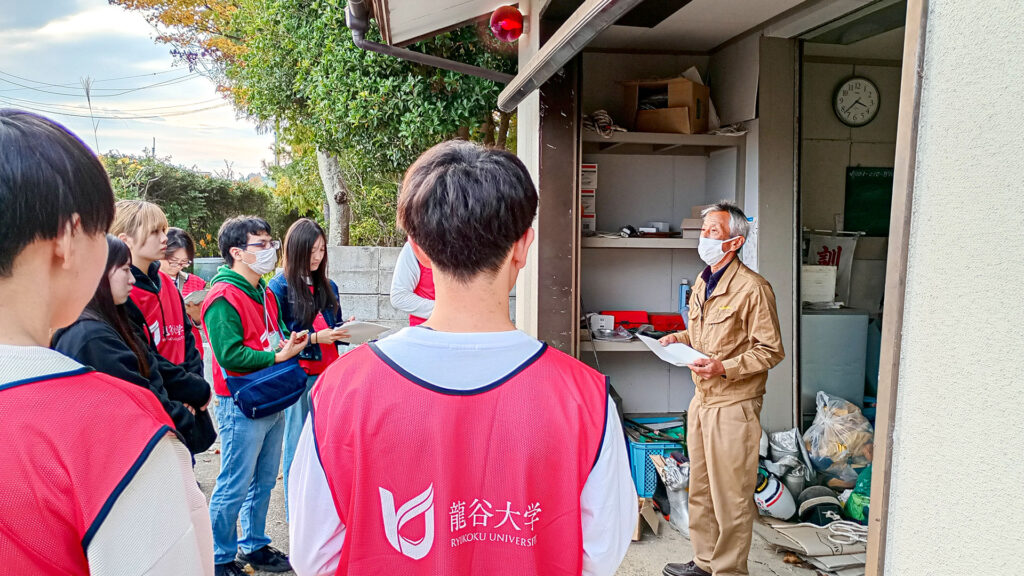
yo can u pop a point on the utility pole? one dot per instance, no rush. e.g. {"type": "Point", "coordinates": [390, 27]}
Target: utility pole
{"type": "Point", "coordinates": [87, 86]}
{"type": "Point", "coordinates": [152, 151]}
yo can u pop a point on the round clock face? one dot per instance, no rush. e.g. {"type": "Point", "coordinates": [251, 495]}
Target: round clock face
{"type": "Point", "coordinates": [856, 101]}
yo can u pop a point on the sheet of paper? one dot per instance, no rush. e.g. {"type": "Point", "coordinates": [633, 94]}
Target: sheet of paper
{"type": "Point", "coordinates": [196, 297]}
{"type": "Point", "coordinates": [675, 354]}
{"type": "Point", "coordinates": [359, 332]}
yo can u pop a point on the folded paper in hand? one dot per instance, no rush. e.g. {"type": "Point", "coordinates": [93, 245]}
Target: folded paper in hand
{"type": "Point", "coordinates": [196, 297]}
{"type": "Point", "coordinates": [359, 332]}
{"type": "Point", "coordinates": [675, 354]}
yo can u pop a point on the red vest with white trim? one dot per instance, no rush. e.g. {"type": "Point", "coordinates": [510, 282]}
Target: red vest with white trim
{"type": "Point", "coordinates": [69, 441]}
{"type": "Point", "coordinates": [431, 481]}
{"type": "Point", "coordinates": [165, 318]}
{"type": "Point", "coordinates": [424, 289]}
{"type": "Point", "coordinates": [192, 284]}
{"type": "Point", "coordinates": [255, 334]}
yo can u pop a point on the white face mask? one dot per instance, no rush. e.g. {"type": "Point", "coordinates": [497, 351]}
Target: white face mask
{"type": "Point", "coordinates": [265, 261]}
{"type": "Point", "coordinates": [710, 250]}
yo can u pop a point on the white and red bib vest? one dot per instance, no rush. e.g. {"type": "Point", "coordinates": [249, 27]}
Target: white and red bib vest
{"type": "Point", "coordinates": [430, 481]}
{"type": "Point", "coordinates": [424, 289]}
{"type": "Point", "coordinates": [255, 330]}
{"type": "Point", "coordinates": [72, 442]}
{"type": "Point", "coordinates": [192, 284]}
{"type": "Point", "coordinates": [165, 318]}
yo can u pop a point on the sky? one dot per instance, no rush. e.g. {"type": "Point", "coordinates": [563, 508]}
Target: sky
{"type": "Point", "coordinates": [48, 46]}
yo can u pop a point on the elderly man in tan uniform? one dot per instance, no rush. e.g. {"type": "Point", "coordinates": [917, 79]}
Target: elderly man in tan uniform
{"type": "Point", "coordinates": [734, 322]}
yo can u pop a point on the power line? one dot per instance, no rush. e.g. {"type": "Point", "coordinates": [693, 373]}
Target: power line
{"type": "Point", "coordinates": [109, 110]}
{"type": "Point", "coordinates": [118, 91]}
{"type": "Point", "coordinates": [41, 109]}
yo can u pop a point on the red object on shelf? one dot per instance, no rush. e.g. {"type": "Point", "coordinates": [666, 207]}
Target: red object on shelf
{"type": "Point", "coordinates": [667, 322]}
{"type": "Point", "coordinates": [627, 318]}
{"type": "Point", "coordinates": [507, 23]}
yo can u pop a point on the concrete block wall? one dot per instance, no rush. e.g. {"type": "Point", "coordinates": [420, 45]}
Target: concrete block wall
{"type": "Point", "coordinates": [363, 275]}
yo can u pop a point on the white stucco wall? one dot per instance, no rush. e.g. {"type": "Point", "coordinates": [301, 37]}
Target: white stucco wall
{"type": "Point", "coordinates": [957, 499]}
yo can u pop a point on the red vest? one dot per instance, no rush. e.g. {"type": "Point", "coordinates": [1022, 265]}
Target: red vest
{"type": "Point", "coordinates": [192, 284]}
{"type": "Point", "coordinates": [434, 482]}
{"type": "Point", "coordinates": [165, 318]}
{"type": "Point", "coordinates": [255, 334]}
{"type": "Point", "coordinates": [69, 441]}
{"type": "Point", "coordinates": [424, 289]}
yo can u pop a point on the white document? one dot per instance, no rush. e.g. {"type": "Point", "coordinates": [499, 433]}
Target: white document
{"type": "Point", "coordinates": [196, 297]}
{"type": "Point", "coordinates": [359, 332]}
{"type": "Point", "coordinates": [675, 354]}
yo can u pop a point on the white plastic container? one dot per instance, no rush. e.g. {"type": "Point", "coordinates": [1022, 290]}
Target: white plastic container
{"type": "Point", "coordinates": [772, 497]}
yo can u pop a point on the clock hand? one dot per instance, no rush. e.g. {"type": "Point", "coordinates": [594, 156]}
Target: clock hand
{"type": "Point", "coordinates": [855, 102]}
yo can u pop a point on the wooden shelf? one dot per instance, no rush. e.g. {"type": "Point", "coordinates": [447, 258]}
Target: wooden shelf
{"type": "Point", "coordinates": [605, 346]}
{"type": "Point", "coordinates": [664, 142]}
{"type": "Point", "coordinates": [662, 243]}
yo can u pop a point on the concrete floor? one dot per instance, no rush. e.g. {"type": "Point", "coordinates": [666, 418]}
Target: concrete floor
{"type": "Point", "coordinates": [644, 558]}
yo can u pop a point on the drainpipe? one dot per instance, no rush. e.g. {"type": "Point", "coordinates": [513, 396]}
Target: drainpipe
{"type": "Point", "coordinates": [357, 17]}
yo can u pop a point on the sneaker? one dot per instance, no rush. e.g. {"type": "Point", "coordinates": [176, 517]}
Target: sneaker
{"type": "Point", "coordinates": [267, 559]}
{"type": "Point", "coordinates": [688, 569]}
{"type": "Point", "coordinates": [230, 569]}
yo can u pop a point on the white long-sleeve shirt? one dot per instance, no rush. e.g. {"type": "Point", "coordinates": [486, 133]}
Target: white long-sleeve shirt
{"type": "Point", "coordinates": [608, 500]}
{"type": "Point", "coordinates": [404, 282]}
{"type": "Point", "coordinates": [159, 525]}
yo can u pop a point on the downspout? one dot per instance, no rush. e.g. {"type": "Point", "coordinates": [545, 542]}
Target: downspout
{"type": "Point", "coordinates": [357, 17]}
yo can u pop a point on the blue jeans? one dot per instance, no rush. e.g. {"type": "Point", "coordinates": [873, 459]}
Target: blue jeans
{"type": "Point", "coordinates": [249, 461]}
{"type": "Point", "coordinates": [294, 420]}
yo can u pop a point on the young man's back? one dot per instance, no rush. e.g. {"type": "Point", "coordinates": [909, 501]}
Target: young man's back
{"type": "Point", "coordinates": [463, 446]}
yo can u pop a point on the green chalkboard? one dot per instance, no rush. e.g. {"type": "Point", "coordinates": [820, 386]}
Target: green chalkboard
{"type": "Point", "coordinates": [868, 200]}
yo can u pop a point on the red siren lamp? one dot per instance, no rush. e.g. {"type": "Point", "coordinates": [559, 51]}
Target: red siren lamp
{"type": "Point", "coordinates": [507, 24]}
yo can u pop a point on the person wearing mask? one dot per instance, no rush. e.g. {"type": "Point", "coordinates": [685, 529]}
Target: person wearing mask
{"type": "Point", "coordinates": [179, 254]}
{"type": "Point", "coordinates": [734, 322]}
{"type": "Point", "coordinates": [143, 227]}
{"type": "Point", "coordinates": [313, 307]}
{"type": "Point", "coordinates": [110, 337]}
{"type": "Point", "coordinates": [246, 334]}
{"type": "Point", "coordinates": [517, 464]}
{"type": "Point", "coordinates": [412, 287]}
{"type": "Point", "coordinates": [90, 462]}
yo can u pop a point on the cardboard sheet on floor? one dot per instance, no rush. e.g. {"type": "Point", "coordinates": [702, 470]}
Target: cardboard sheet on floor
{"type": "Point", "coordinates": [833, 563]}
{"type": "Point", "coordinates": [802, 539]}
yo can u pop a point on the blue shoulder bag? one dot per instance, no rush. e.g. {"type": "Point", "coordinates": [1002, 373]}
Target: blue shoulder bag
{"type": "Point", "coordinates": [270, 390]}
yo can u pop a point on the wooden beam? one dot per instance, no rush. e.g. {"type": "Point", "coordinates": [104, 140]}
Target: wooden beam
{"type": "Point", "coordinates": [558, 213]}
{"type": "Point", "coordinates": [896, 281]}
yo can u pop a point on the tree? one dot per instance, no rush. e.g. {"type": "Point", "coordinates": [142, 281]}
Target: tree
{"type": "Point", "coordinates": [292, 63]}
{"type": "Point", "coordinates": [192, 200]}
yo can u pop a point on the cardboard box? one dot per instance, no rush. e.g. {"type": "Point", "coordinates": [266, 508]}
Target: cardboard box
{"type": "Point", "coordinates": [692, 224]}
{"type": "Point", "coordinates": [686, 113]}
{"type": "Point", "coordinates": [646, 514]}
{"type": "Point", "coordinates": [588, 176]}
{"type": "Point", "coordinates": [691, 234]}
{"type": "Point", "coordinates": [696, 210]}
{"type": "Point", "coordinates": [588, 202]}
{"type": "Point", "coordinates": [817, 283]}
{"type": "Point", "coordinates": [588, 222]}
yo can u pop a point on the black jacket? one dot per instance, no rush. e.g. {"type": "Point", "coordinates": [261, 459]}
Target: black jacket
{"type": "Point", "coordinates": [95, 343]}
{"type": "Point", "coordinates": [150, 282]}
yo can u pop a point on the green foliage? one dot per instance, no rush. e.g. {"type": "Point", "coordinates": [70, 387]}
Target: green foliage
{"type": "Point", "coordinates": [292, 64]}
{"type": "Point", "coordinates": [192, 200]}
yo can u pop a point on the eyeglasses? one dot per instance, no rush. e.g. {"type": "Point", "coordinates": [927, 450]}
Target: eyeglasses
{"type": "Point", "coordinates": [177, 262]}
{"type": "Point", "coordinates": [266, 244]}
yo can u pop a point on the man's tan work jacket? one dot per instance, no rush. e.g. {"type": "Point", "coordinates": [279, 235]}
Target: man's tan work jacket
{"type": "Point", "coordinates": [739, 326]}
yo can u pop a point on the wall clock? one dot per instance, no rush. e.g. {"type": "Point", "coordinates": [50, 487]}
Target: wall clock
{"type": "Point", "coordinates": [856, 101]}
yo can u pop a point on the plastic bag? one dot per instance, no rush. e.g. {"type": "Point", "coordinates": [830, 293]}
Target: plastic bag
{"type": "Point", "coordinates": [789, 443]}
{"type": "Point", "coordinates": [678, 495]}
{"type": "Point", "coordinates": [840, 440]}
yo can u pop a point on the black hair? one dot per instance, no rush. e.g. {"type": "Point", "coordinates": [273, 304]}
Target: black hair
{"type": "Point", "coordinates": [465, 205]}
{"type": "Point", "coordinates": [234, 233]}
{"type": "Point", "coordinates": [47, 175]}
{"type": "Point", "coordinates": [298, 249]}
{"type": "Point", "coordinates": [178, 239]}
{"type": "Point", "coordinates": [102, 303]}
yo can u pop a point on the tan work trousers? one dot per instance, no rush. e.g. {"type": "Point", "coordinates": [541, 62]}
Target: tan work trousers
{"type": "Point", "coordinates": [723, 443]}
